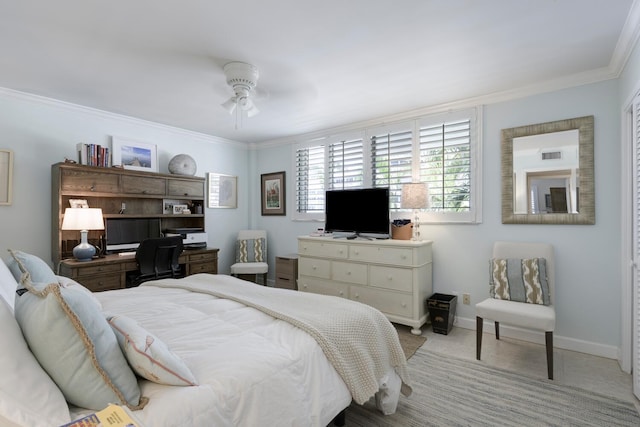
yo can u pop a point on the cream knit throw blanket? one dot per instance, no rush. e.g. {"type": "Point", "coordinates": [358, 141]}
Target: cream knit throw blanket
{"type": "Point", "coordinates": [357, 339]}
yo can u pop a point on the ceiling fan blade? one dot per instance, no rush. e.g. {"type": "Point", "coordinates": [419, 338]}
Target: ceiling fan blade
{"type": "Point", "coordinates": [230, 104]}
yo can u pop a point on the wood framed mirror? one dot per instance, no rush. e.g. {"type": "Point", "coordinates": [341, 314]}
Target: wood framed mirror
{"type": "Point", "coordinates": [548, 173]}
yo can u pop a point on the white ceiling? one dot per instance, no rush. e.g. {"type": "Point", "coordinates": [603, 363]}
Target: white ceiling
{"type": "Point", "coordinates": [323, 64]}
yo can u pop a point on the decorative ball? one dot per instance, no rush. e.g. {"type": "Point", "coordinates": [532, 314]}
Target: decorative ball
{"type": "Point", "coordinates": [182, 164]}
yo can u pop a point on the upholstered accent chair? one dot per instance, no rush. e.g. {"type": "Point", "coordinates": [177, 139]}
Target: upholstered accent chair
{"type": "Point", "coordinates": [251, 256]}
{"type": "Point", "coordinates": [521, 271]}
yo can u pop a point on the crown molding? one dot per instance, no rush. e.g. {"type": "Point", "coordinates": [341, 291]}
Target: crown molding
{"type": "Point", "coordinates": [81, 109]}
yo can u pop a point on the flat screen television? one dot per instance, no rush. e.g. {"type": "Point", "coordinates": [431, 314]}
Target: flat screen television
{"type": "Point", "coordinates": [357, 212]}
{"type": "Point", "coordinates": [124, 234]}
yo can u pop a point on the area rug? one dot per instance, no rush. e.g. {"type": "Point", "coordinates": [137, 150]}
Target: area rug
{"type": "Point", "coordinates": [409, 342]}
{"type": "Point", "coordinates": [448, 391]}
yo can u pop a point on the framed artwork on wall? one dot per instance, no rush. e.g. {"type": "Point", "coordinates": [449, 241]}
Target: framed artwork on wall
{"type": "Point", "coordinates": [6, 177]}
{"type": "Point", "coordinates": [135, 155]}
{"type": "Point", "coordinates": [273, 193]}
{"type": "Point", "coordinates": [223, 191]}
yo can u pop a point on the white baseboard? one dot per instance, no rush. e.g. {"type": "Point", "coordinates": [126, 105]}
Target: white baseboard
{"type": "Point", "coordinates": [595, 349]}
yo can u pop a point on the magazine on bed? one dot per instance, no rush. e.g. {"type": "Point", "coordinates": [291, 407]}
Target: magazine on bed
{"type": "Point", "coordinates": [111, 416]}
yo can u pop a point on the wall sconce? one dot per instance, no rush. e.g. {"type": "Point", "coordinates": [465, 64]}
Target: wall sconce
{"type": "Point", "coordinates": [415, 196]}
{"type": "Point", "coordinates": [83, 219]}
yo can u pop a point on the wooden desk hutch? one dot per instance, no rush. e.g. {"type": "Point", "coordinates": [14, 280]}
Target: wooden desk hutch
{"type": "Point", "coordinates": [144, 195]}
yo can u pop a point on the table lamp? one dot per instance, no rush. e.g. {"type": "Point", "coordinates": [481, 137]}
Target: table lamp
{"type": "Point", "coordinates": [83, 219]}
{"type": "Point", "coordinates": [415, 196]}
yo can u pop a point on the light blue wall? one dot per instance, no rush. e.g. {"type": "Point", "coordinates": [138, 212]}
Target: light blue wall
{"type": "Point", "coordinates": [42, 132]}
{"type": "Point", "coordinates": [588, 273]}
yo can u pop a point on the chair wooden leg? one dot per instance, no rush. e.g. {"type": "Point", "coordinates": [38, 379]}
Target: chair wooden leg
{"type": "Point", "coordinates": [479, 322]}
{"type": "Point", "coordinates": [497, 330]}
{"type": "Point", "coordinates": [549, 342]}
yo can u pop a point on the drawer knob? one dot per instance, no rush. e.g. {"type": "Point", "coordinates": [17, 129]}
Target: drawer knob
{"type": "Point", "coordinates": [304, 286]}
{"type": "Point", "coordinates": [357, 295]}
{"type": "Point", "coordinates": [348, 273]}
{"type": "Point", "coordinates": [404, 305]}
{"type": "Point", "coordinates": [341, 293]}
{"type": "Point", "coordinates": [92, 188]}
{"type": "Point", "coordinates": [389, 278]}
{"type": "Point", "coordinates": [314, 267]}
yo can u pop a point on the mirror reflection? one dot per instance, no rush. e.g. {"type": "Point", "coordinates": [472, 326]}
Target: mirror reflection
{"type": "Point", "coordinates": [546, 173]}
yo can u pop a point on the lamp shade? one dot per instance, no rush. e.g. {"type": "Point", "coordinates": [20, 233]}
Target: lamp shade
{"type": "Point", "coordinates": [414, 196]}
{"type": "Point", "coordinates": [83, 219]}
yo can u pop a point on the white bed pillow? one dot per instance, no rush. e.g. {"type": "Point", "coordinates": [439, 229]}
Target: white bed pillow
{"type": "Point", "coordinates": [8, 285]}
{"type": "Point", "coordinates": [148, 355]}
{"type": "Point", "coordinates": [28, 397]}
{"type": "Point", "coordinates": [75, 345]}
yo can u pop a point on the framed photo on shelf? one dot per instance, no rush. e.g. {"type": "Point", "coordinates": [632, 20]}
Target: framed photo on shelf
{"type": "Point", "coordinates": [222, 190]}
{"type": "Point", "coordinates": [179, 209]}
{"type": "Point", "coordinates": [135, 155]}
{"type": "Point", "coordinates": [273, 193]}
{"type": "Point", "coordinates": [78, 203]}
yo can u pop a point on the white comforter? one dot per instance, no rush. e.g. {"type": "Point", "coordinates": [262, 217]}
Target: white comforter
{"type": "Point", "coordinates": [253, 370]}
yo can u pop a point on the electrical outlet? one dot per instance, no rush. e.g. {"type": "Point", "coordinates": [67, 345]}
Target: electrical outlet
{"type": "Point", "coordinates": [466, 299]}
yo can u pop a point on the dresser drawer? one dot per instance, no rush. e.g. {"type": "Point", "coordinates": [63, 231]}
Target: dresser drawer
{"type": "Point", "coordinates": [143, 185]}
{"type": "Point", "coordinates": [349, 272]}
{"type": "Point", "coordinates": [102, 283]}
{"type": "Point", "coordinates": [202, 267]}
{"type": "Point", "coordinates": [285, 281]}
{"type": "Point", "coordinates": [398, 279]}
{"type": "Point", "coordinates": [325, 250]}
{"type": "Point", "coordinates": [209, 256]}
{"type": "Point", "coordinates": [314, 267]}
{"type": "Point", "coordinates": [183, 188]}
{"type": "Point", "coordinates": [99, 269]}
{"type": "Point", "coordinates": [385, 301]}
{"type": "Point", "coordinates": [88, 181]}
{"type": "Point", "coordinates": [286, 266]}
{"type": "Point", "coordinates": [382, 255]}
{"type": "Point", "coordinates": [319, 286]}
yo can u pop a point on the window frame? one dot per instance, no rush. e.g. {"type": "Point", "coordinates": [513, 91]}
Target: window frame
{"type": "Point", "coordinates": [474, 114]}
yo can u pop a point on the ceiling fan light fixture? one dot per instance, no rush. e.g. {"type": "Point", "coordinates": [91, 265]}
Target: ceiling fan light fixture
{"type": "Point", "coordinates": [242, 78]}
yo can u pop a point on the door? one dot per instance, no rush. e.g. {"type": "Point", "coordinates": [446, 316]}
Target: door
{"type": "Point", "coordinates": [636, 245]}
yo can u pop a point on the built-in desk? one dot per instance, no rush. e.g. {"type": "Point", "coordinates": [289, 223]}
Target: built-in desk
{"type": "Point", "coordinates": [110, 272]}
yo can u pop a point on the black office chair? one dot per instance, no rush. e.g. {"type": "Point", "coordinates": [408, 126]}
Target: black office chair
{"type": "Point", "coordinates": [157, 259]}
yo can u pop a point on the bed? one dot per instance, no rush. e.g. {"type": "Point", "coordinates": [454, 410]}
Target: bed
{"type": "Point", "coordinates": [227, 352]}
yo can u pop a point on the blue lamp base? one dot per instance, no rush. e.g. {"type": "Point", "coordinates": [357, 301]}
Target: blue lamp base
{"type": "Point", "coordinates": [84, 251]}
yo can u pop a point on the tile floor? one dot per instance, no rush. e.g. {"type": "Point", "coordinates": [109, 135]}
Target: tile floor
{"type": "Point", "coordinates": [589, 372]}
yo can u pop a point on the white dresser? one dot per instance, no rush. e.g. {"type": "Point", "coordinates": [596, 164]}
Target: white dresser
{"type": "Point", "coordinates": [394, 276]}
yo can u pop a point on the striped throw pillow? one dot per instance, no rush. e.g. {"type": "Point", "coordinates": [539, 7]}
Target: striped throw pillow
{"type": "Point", "coordinates": [251, 250]}
{"type": "Point", "coordinates": [522, 280]}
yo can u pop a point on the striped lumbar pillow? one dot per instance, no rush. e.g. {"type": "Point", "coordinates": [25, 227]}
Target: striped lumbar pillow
{"type": "Point", "coordinates": [522, 280]}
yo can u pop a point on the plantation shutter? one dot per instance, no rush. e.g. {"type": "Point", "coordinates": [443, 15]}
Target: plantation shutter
{"type": "Point", "coordinates": [346, 164]}
{"type": "Point", "coordinates": [445, 164]}
{"type": "Point", "coordinates": [310, 171]}
{"type": "Point", "coordinates": [391, 159]}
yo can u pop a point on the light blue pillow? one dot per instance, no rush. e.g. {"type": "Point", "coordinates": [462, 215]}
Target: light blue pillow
{"type": "Point", "coordinates": [76, 346]}
{"type": "Point", "coordinates": [38, 270]}
{"type": "Point", "coordinates": [148, 355]}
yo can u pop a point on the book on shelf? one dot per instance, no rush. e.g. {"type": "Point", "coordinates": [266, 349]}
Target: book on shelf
{"type": "Point", "coordinates": [93, 154]}
{"type": "Point", "coordinates": [111, 416]}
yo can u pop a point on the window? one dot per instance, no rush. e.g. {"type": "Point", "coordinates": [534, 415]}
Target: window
{"type": "Point", "coordinates": [441, 150]}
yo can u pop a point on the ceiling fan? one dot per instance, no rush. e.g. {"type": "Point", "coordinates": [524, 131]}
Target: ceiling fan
{"type": "Point", "coordinates": [242, 78]}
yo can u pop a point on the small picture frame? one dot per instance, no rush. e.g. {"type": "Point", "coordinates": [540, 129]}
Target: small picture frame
{"type": "Point", "coordinates": [180, 209]}
{"type": "Point", "coordinates": [273, 193]}
{"type": "Point", "coordinates": [223, 191]}
{"type": "Point", "coordinates": [135, 155]}
{"type": "Point", "coordinates": [78, 203]}
{"type": "Point", "coordinates": [6, 177]}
